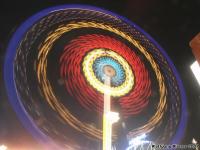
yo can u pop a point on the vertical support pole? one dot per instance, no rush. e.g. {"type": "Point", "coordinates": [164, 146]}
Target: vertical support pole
{"type": "Point", "coordinates": [107, 125]}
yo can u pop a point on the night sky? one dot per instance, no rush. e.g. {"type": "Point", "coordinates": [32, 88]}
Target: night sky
{"type": "Point", "coordinates": [171, 23]}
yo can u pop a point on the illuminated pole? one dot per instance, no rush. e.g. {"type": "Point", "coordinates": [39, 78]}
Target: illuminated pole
{"type": "Point", "coordinates": [107, 127]}
{"type": "Point", "coordinates": [108, 117]}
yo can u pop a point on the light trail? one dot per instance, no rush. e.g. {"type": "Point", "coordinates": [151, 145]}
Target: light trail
{"type": "Point", "coordinates": [108, 117]}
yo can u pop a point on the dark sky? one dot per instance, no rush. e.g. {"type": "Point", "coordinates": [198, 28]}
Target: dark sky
{"type": "Point", "coordinates": [172, 23]}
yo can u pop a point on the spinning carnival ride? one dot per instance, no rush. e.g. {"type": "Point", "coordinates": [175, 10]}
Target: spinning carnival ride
{"type": "Point", "coordinates": [55, 72]}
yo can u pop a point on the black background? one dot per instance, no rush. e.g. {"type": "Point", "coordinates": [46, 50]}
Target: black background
{"type": "Point", "coordinates": [172, 23]}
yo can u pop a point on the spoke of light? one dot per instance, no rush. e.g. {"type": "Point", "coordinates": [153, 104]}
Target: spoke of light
{"type": "Point", "coordinates": [196, 70]}
{"type": "Point", "coordinates": [3, 147]}
{"type": "Point", "coordinates": [108, 119]}
{"type": "Point", "coordinates": [107, 126]}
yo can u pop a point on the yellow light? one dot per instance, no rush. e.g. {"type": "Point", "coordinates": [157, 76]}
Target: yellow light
{"type": "Point", "coordinates": [108, 119]}
{"type": "Point", "coordinates": [97, 84]}
{"type": "Point", "coordinates": [65, 114]}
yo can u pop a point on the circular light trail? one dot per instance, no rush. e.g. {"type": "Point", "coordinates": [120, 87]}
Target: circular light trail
{"type": "Point", "coordinates": [98, 85]}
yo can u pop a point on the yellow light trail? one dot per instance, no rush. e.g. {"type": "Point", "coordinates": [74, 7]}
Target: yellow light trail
{"type": "Point", "coordinates": [103, 88]}
{"type": "Point", "coordinates": [108, 117]}
{"type": "Point", "coordinates": [64, 112]}
{"type": "Point", "coordinates": [107, 126]}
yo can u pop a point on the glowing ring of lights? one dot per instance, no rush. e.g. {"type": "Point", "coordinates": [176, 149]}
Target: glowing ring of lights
{"type": "Point", "coordinates": [28, 76]}
{"type": "Point", "coordinates": [90, 76]}
{"type": "Point", "coordinates": [52, 101]}
{"type": "Point", "coordinates": [90, 98]}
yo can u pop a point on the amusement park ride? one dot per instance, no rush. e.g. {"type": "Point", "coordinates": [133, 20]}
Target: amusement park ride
{"type": "Point", "coordinates": [101, 58]}
{"type": "Point", "coordinates": [109, 117]}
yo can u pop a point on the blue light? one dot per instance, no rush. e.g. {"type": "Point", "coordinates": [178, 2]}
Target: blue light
{"type": "Point", "coordinates": [101, 62]}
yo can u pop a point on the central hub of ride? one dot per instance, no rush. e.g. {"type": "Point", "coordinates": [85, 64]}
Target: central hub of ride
{"type": "Point", "coordinates": [109, 71]}
{"type": "Point", "coordinates": [101, 63]}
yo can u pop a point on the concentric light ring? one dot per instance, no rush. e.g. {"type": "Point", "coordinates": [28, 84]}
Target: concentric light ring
{"type": "Point", "coordinates": [20, 47]}
{"type": "Point", "coordinates": [41, 70]}
{"type": "Point", "coordinates": [92, 79]}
